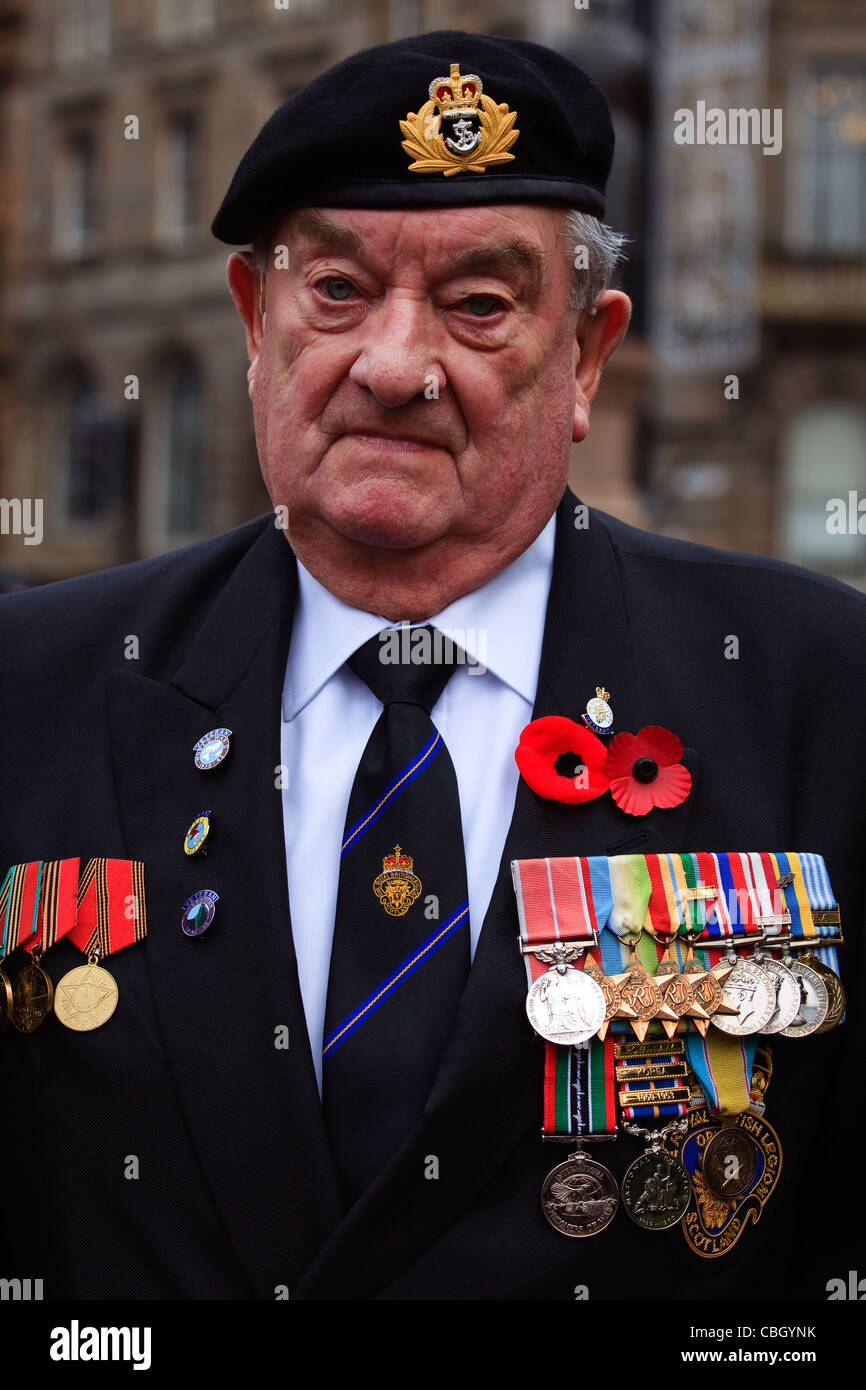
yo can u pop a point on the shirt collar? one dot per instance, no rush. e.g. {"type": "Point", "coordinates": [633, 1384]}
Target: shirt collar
{"type": "Point", "coordinates": [499, 625]}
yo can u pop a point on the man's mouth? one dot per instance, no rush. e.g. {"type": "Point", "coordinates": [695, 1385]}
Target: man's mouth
{"type": "Point", "coordinates": [392, 443]}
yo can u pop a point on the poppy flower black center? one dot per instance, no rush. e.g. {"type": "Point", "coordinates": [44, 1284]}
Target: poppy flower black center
{"type": "Point", "coordinates": [569, 765]}
{"type": "Point", "coordinates": [645, 770]}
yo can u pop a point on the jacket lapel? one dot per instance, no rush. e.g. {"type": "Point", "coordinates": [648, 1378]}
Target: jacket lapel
{"type": "Point", "coordinates": [473, 1119]}
{"type": "Point", "coordinates": [221, 1000]}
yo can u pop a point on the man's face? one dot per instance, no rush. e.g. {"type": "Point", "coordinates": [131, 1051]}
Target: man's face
{"type": "Point", "coordinates": [414, 384]}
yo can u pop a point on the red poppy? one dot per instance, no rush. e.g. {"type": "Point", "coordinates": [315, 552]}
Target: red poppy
{"type": "Point", "coordinates": [644, 770]}
{"type": "Point", "coordinates": [562, 760]}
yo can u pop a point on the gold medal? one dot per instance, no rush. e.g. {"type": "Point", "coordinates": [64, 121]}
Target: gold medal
{"type": "Point", "coordinates": [835, 989]}
{"type": "Point", "coordinates": [5, 1002]}
{"type": "Point", "coordinates": [32, 995]}
{"type": "Point", "coordinates": [86, 997]}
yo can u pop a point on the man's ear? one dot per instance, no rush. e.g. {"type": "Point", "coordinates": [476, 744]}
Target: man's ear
{"type": "Point", "coordinates": [599, 334]}
{"type": "Point", "coordinates": [247, 290]}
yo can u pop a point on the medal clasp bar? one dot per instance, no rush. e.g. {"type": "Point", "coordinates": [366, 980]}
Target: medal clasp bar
{"type": "Point", "coordinates": [564, 951]}
{"type": "Point", "coordinates": [579, 1139]}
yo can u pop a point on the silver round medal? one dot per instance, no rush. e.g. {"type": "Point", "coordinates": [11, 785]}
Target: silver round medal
{"type": "Point", "coordinates": [814, 1002]}
{"type": "Point", "coordinates": [753, 994]}
{"type": "Point", "coordinates": [787, 996]}
{"type": "Point", "coordinates": [579, 1197]}
{"type": "Point", "coordinates": [566, 1007]}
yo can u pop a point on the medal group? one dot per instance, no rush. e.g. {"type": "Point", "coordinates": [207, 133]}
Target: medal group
{"type": "Point", "coordinates": [99, 908]}
{"type": "Point", "coordinates": [657, 983]}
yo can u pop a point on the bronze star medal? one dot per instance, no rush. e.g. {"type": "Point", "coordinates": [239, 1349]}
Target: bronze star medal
{"type": "Point", "coordinates": [611, 988]}
{"type": "Point", "coordinates": [642, 994]}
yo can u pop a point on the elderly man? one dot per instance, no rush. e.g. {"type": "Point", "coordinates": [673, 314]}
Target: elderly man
{"type": "Point", "coordinates": [311, 1074]}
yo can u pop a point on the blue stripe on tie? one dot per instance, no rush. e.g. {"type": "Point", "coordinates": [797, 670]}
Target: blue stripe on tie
{"type": "Point", "coordinates": [413, 769]}
{"type": "Point", "coordinates": [407, 967]}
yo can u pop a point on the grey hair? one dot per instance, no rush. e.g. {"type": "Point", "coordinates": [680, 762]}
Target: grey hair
{"type": "Point", "coordinates": [603, 249]}
{"type": "Point", "coordinates": [260, 252]}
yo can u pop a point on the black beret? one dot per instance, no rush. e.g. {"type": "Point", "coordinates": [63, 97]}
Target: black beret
{"type": "Point", "coordinates": [494, 120]}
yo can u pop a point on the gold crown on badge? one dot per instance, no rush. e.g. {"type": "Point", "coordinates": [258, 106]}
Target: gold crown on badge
{"type": "Point", "coordinates": [396, 886]}
{"type": "Point", "coordinates": [459, 130]}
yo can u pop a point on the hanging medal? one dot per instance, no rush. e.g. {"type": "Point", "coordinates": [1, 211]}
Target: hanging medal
{"type": "Point", "coordinates": [19, 902]}
{"type": "Point", "coordinates": [733, 1166]}
{"type": "Point", "coordinates": [111, 915]}
{"type": "Point", "coordinates": [734, 924]}
{"type": "Point", "coordinates": [33, 989]}
{"type": "Point", "coordinates": [835, 991]}
{"type": "Point", "coordinates": [631, 888]}
{"type": "Point", "coordinates": [655, 1187]}
{"type": "Point", "coordinates": [775, 922]}
{"type": "Point", "coordinates": [610, 986]}
{"type": "Point", "coordinates": [19, 898]}
{"type": "Point", "coordinates": [708, 981]}
{"type": "Point", "coordinates": [579, 1197]}
{"type": "Point", "coordinates": [560, 904]}
{"type": "Point", "coordinates": [671, 901]}
{"type": "Point", "coordinates": [816, 925]}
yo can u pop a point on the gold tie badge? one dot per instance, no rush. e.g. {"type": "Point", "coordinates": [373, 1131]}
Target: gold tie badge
{"type": "Point", "coordinates": [396, 886]}
{"type": "Point", "coordinates": [459, 130]}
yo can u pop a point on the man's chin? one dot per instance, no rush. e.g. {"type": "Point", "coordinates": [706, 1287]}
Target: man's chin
{"type": "Point", "coordinates": [386, 516]}
{"type": "Point", "coordinates": [379, 533]}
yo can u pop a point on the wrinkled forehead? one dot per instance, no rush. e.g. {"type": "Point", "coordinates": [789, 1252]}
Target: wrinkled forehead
{"type": "Point", "coordinates": [517, 240]}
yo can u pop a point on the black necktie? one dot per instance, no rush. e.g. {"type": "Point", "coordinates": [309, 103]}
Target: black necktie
{"type": "Point", "coordinates": [400, 955]}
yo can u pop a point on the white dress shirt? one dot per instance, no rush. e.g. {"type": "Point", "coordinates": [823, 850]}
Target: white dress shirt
{"type": "Point", "coordinates": [328, 714]}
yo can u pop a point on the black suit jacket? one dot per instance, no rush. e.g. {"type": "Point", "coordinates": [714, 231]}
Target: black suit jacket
{"type": "Point", "coordinates": [235, 1196]}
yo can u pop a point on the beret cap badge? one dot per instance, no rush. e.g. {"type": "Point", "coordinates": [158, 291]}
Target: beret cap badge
{"type": "Point", "coordinates": [460, 129]}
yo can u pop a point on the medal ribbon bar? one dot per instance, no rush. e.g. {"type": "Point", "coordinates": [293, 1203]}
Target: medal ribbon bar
{"type": "Point", "coordinates": [19, 905]}
{"type": "Point", "coordinates": [559, 900]}
{"type": "Point", "coordinates": [111, 906]}
{"type": "Point", "coordinates": [579, 1091]}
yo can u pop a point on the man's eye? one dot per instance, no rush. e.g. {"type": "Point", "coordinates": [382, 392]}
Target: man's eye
{"type": "Point", "coordinates": [481, 306]}
{"type": "Point", "coordinates": [335, 287]}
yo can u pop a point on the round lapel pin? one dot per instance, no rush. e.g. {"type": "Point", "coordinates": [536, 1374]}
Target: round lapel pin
{"type": "Point", "coordinates": [212, 749]}
{"type": "Point", "coordinates": [198, 912]}
{"type": "Point", "coordinates": [194, 839]}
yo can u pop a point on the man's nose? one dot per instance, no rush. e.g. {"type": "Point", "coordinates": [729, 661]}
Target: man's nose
{"type": "Point", "coordinates": [398, 357]}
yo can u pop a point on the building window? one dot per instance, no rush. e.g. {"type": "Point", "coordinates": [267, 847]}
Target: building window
{"type": "Point", "coordinates": [91, 449]}
{"type": "Point", "coordinates": [823, 483]}
{"type": "Point", "coordinates": [182, 453]}
{"type": "Point", "coordinates": [828, 172]}
{"type": "Point", "coordinates": [82, 31]}
{"type": "Point", "coordinates": [177, 20]}
{"type": "Point", "coordinates": [180, 187]}
{"type": "Point", "coordinates": [76, 207]}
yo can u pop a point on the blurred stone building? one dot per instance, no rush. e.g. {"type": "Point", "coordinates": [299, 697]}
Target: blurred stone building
{"type": "Point", "coordinates": [732, 414]}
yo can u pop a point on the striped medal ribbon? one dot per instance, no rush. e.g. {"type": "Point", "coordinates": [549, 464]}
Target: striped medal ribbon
{"type": "Point", "coordinates": [580, 1196]}
{"type": "Point", "coordinates": [112, 915]}
{"type": "Point", "coordinates": [561, 906]}
{"type": "Point", "coordinates": [33, 990]}
{"type": "Point", "coordinates": [19, 907]}
{"type": "Point", "coordinates": [815, 933]}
